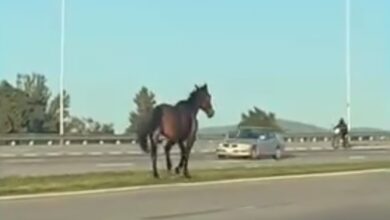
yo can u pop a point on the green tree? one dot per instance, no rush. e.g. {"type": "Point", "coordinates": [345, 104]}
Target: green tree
{"type": "Point", "coordinates": [34, 85]}
{"type": "Point", "coordinates": [27, 106]}
{"type": "Point", "coordinates": [93, 127]}
{"type": "Point", "coordinates": [145, 102]}
{"type": "Point", "coordinates": [88, 126]}
{"type": "Point", "coordinates": [259, 118]}
{"type": "Point", "coordinates": [107, 129]}
{"type": "Point", "coordinates": [76, 125]}
{"type": "Point", "coordinates": [52, 115]}
{"type": "Point", "coordinates": [15, 107]}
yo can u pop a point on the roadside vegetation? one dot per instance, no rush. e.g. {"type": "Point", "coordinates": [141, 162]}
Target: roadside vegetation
{"type": "Point", "coordinates": [63, 183]}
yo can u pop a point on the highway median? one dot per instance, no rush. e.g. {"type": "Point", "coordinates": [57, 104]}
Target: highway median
{"type": "Point", "coordinates": [104, 180]}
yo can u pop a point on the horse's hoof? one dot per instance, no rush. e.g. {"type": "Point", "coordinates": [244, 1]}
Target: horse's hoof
{"type": "Point", "coordinates": [177, 171]}
{"type": "Point", "coordinates": [187, 175]}
{"type": "Point", "coordinates": [170, 173]}
{"type": "Point", "coordinates": [156, 176]}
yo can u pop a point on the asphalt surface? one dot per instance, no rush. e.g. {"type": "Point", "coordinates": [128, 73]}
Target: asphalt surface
{"type": "Point", "coordinates": [357, 197]}
{"type": "Point", "coordinates": [201, 146]}
{"type": "Point", "coordinates": [124, 149]}
{"type": "Point", "coordinates": [81, 164]}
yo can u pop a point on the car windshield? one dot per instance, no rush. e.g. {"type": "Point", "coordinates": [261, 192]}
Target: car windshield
{"type": "Point", "coordinates": [248, 134]}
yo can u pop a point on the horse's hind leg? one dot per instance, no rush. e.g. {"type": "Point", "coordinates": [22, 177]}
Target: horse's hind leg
{"type": "Point", "coordinates": [154, 157]}
{"type": "Point", "coordinates": [167, 149]}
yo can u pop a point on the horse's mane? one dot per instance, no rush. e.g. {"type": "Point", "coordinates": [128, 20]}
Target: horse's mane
{"type": "Point", "coordinates": [191, 98]}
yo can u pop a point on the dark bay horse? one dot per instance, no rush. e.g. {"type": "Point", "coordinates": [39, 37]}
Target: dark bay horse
{"type": "Point", "coordinates": [178, 124]}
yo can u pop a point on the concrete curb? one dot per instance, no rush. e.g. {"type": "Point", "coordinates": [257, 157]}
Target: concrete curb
{"type": "Point", "coordinates": [206, 183]}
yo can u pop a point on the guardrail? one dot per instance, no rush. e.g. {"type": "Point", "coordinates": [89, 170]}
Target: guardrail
{"type": "Point", "coordinates": [39, 139]}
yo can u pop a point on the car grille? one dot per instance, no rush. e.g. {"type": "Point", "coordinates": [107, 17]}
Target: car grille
{"type": "Point", "coordinates": [230, 145]}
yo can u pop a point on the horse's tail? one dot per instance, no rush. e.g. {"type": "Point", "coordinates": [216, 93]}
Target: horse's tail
{"type": "Point", "coordinates": [142, 139]}
{"type": "Point", "coordinates": [147, 127]}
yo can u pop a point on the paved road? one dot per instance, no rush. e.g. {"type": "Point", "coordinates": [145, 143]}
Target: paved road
{"type": "Point", "coordinates": [132, 149]}
{"type": "Point", "coordinates": [358, 197]}
{"type": "Point", "coordinates": [82, 164]}
{"type": "Point", "coordinates": [90, 150]}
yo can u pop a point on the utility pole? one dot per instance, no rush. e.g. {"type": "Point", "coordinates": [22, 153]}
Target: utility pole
{"type": "Point", "coordinates": [348, 61]}
{"type": "Point", "coordinates": [62, 68]}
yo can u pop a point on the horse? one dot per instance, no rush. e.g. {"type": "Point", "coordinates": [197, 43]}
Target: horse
{"type": "Point", "coordinates": [178, 124]}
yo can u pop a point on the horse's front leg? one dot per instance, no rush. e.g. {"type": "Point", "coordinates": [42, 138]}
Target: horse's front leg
{"type": "Point", "coordinates": [167, 149]}
{"type": "Point", "coordinates": [188, 148]}
{"type": "Point", "coordinates": [190, 143]}
{"type": "Point", "coordinates": [182, 157]}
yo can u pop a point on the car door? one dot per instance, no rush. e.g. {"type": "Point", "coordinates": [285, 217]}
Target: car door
{"type": "Point", "coordinates": [262, 144]}
{"type": "Point", "coordinates": [271, 143]}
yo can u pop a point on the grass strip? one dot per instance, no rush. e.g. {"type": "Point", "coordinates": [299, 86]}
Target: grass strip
{"type": "Point", "coordinates": [88, 181]}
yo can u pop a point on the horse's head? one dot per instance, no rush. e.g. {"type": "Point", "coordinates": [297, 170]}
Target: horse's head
{"type": "Point", "coordinates": [203, 100]}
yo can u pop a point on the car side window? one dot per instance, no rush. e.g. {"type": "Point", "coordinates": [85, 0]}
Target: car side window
{"type": "Point", "coordinates": [280, 137]}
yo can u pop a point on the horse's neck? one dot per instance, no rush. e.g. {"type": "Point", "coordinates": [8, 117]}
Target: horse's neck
{"type": "Point", "coordinates": [188, 107]}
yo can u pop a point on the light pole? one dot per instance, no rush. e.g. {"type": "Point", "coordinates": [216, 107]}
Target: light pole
{"type": "Point", "coordinates": [348, 61]}
{"type": "Point", "coordinates": [62, 68]}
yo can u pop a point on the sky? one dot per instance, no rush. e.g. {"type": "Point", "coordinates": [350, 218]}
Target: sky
{"type": "Point", "coordinates": [284, 56]}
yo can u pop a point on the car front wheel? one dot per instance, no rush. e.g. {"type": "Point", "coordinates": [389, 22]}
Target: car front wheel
{"type": "Point", "coordinates": [254, 154]}
{"type": "Point", "coordinates": [278, 154]}
{"type": "Point", "coordinates": [221, 157]}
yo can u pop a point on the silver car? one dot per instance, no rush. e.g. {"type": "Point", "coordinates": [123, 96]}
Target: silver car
{"type": "Point", "coordinates": [253, 143]}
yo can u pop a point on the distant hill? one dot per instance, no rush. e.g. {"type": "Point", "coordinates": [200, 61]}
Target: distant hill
{"type": "Point", "coordinates": [287, 125]}
{"type": "Point", "coordinates": [369, 130]}
{"type": "Point", "coordinates": [290, 127]}
{"type": "Point", "coordinates": [299, 127]}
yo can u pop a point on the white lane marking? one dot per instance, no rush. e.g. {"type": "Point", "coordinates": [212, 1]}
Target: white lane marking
{"type": "Point", "coordinates": [252, 165]}
{"type": "Point", "coordinates": [357, 157]}
{"type": "Point", "coordinates": [7, 155]}
{"type": "Point", "coordinates": [115, 153]}
{"type": "Point", "coordinates": [12, 161]}
{"type": "Point", "coordinates": [30, 155]}
{"type": "Point", "coordinates": [75, 153]}
{"type": "Point", "coordinates": [54, 154]}
{"type": "Point", "coordinates": [378, 147]}
{"type": "Point", "coordinates": [114, 165]}
{"type": "Point", "coordinates": [206, 183]}
{"type": "Point", "coordinates": [95, 153]}
{"type": "Point", "coordinates": [133, 152]}
{"type": "Point", "coordinates": [301, 148]}
{"type": "Point", "coordinates": [230, 161]}
{"type": "Point", "coordinates": [245, 208]}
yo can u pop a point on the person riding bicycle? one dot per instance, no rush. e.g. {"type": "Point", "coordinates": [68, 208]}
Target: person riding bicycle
{"type": "Point", "coordinates": [341, 129]}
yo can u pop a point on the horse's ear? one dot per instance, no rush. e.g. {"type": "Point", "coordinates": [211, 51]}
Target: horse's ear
{"type": "Point", "coordinates": [196, 87]}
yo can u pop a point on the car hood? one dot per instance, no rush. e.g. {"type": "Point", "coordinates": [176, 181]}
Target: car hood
{"type": "Point", "coordinates": [240, 141]}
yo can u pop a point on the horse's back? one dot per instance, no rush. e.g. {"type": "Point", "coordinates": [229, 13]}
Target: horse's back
{"type": "Point", "coordinates": [176, 121]}
{"type": "Point", "coordinates": [168, 121]}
